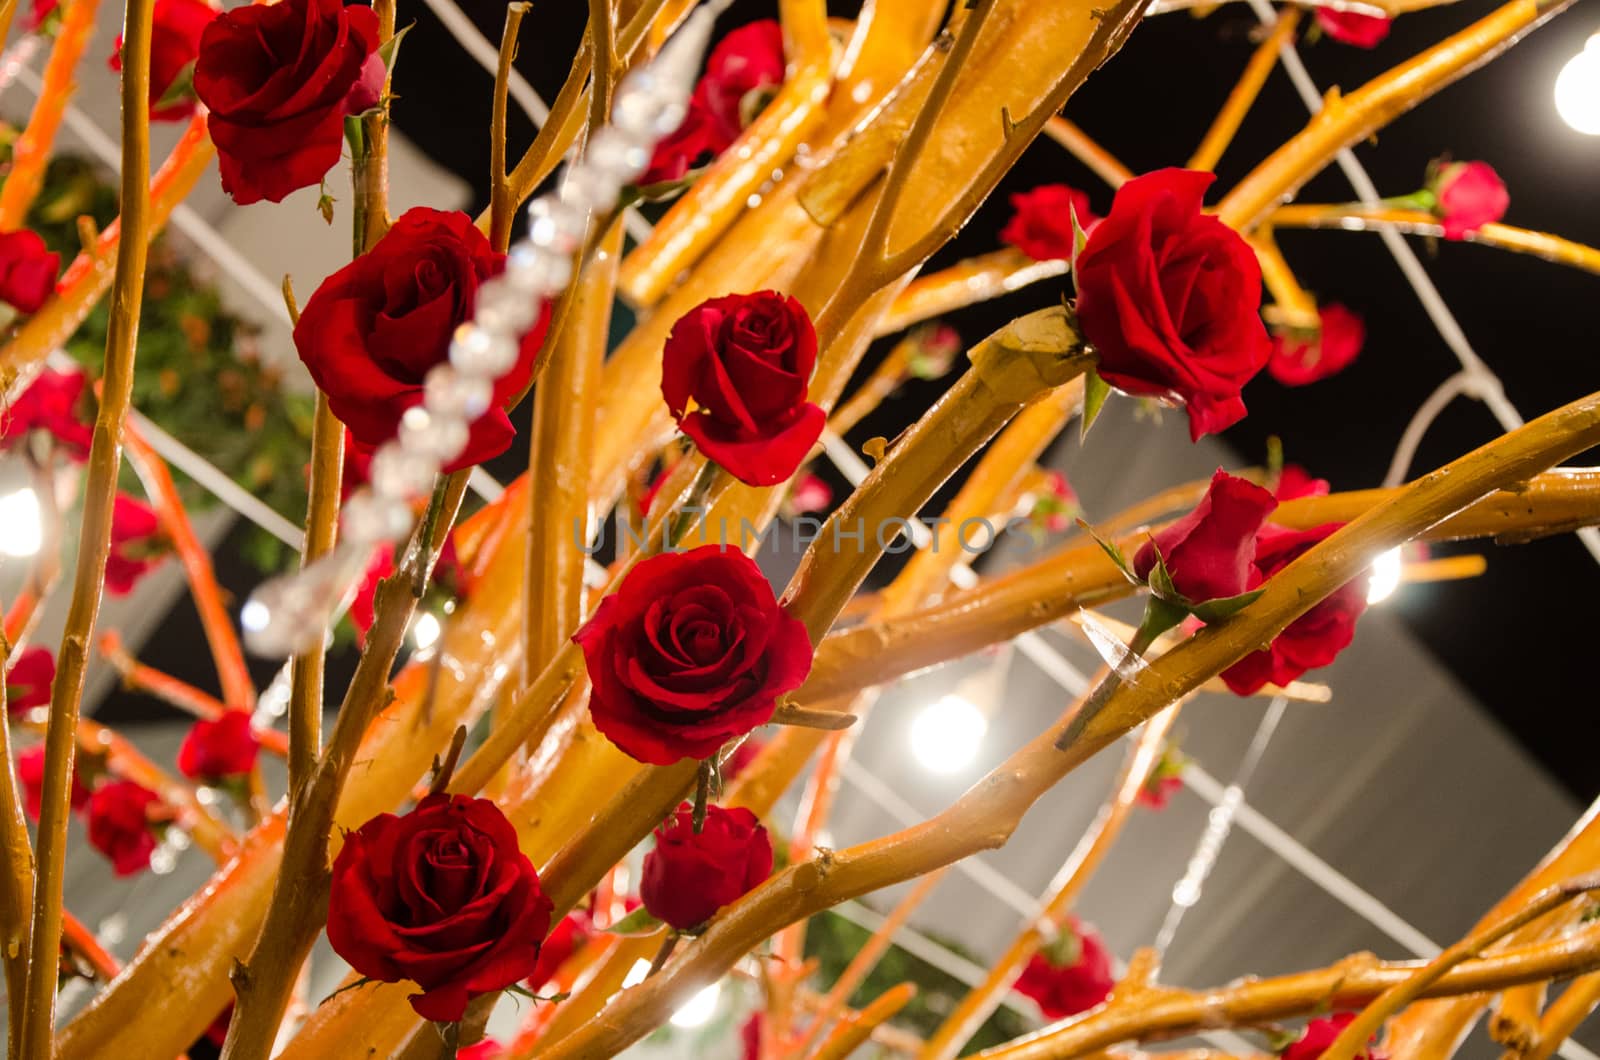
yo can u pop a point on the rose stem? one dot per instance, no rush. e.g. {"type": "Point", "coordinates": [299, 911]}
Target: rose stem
{"type": "Point", "coordinates": [187, 698]}
{"type": "Point", "coordinates": [1346, 120]}
{"type": "Point", "coordinates": [603, 45]}
{"type": "Point", "coordinates": [1356, 218]}
{"type": "Point", "coordinates": [370, 169]}
{"type": "Point", "coordinates": [1353, 1039]}
{"type": "Point", "coordinates": [31, 152]}
{"type": "Point", "coordinates": [77, 938]}
{"type": "Point", "coordinates": [33, 1038]}
{"type": "Point", "coordinates": [981, 1001]}
{"type": "Point", "coordinates": [718, 198]}
{"type": "Point", "coordinates": [1080, 146]}
{"type": "Point", "coordinates": [306, 671]}
{"type": "Point", "coordinates": [237, 689]}
{"type": "Point", "coordinates": [1292, 305]}
{"type": "Point", "coordinates": [966, 283]}
{"type": "Point", "coordinates": [1243, 96]}
{"type": "Point", "coordinates": [985, 817]}
{"type": "Point", "coordinates": [16, 881]}
{"type": "Point", "coordinates": [502, 210]}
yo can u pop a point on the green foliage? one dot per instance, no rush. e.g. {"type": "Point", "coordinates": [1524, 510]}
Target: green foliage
{"type": "Point", "coordinates": [199, 373]}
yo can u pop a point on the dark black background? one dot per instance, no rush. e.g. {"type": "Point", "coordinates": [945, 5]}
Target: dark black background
{"type": "Point", "coordinates": [1520, 637]}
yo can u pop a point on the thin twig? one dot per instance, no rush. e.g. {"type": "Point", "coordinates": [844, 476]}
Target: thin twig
{"type": "Point", "coordinates": [31, 152]}
{"type": "Point", "coordinates": [1243, 96]}
{"type": "Point", "coordinates": [501, 207]}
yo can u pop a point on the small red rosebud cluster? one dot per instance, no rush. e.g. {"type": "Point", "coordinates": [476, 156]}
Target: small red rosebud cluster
{"type": "Point", "coordinates": [54, 405]}
{"type": "Point", "coordinates": [120, 815]}
{"type": "Point", "coordinates": [27, 270]}
{"type": "Point", "coordinates": [1468, 195]}
{"type": "Point", "coordinates": [1299, 358]}
{"type": "Point", "coordinates": [1352, 27]}
{"type": "Point", "coordinates": [138, 544]}
{"type": "Point", "coordinates": [1041, 221]}
{"type": "Point", "coordinates": [221, 749]}
{"type": "Point", "coordinates": [690, 875]}
{"type": "Point", "coordinates": [1070, 975]}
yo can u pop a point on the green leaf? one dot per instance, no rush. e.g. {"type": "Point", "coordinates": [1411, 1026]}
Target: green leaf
{"type": "Point", "coordinates": [325, 207]}
{"type": "Point", "coordinates": [1095, 392]}
{"type": "Point", "coordinates": [1159, 616]}
{"type": "Point", "coordinates": [180, 91]}
{"type": "Point", "coordinates": [635, 924]}
{"type": "Point", "coordinates": [390, 49]}
{"type": "Point", "coordinates": [1224, 607]}
{"type": "Point", "coordinates": [1113, 551]}
{"type": "Point", "coordinates": [1080, 238]}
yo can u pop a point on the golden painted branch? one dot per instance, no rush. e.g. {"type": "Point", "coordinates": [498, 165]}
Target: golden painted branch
{"type": "Point", "coordinates": [322, 530]}
{"type": "Point", "coordinates": [856, 1028]}
{"type": "Point", "coordinates": [1563, 1017]}
{"type": "Point", "coordinates": [1515, 1022]}
{"type": "Point", "coordinates": [603, 43]}
{"type": "Point", "coordinates": [33, 1038]}
{"type": "Point", "coordinates": [294, 918]}
{"type": "Point", "coordinates": [1080, 146]}
{"type": "Point", "coordinates": [1170, 1012]}
{"type": "Point", "coordinates": [966, 283]}
{"type": "Point", "coordinates": [502, 210]}
{"type": "Point", "coordinates": [1243, 97]}
{"type": "Point", "coordinates": [1347, 120]}
{"type": "Point", "coordinates": [982, 1000]}
{"type": "Point", "coordinates": [1292, 305]}
{"type": "Point", "coordinates": [16, 869]}
{"type": "Point", "coordinates": [1353, 1039]}
{"type": "Point", "coordinates": [1551, 248]}
{"type": "Point", "coordinates": [90, 274]}
{"type": "Point", "coordinates": [371, 173]}
{"type": "Point", "coordinates": [79, 940]}
{"type": "Point", "coordinates": [31, 153]}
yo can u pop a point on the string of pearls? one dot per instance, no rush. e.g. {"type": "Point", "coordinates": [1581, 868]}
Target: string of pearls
{"type": "Point", "coordinates": [285, 615]}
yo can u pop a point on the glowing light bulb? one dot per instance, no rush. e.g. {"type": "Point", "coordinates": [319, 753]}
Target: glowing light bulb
{"type": "Point", "coordinates": [21, 532]}
{"type": "Point", "coordinates": [697, 1012]}
{"type": "Point", "coordinates": [425, 631]}
{"type": "Point", "coordinates": [946, 735]}
{"type": "Point", "coordinates": [1385, 577]}
{"type": "Point", "coordinates": [1578, 89]}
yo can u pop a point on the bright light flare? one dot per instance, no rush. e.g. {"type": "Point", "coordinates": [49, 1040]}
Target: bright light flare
{"type": "Point", "coordinates": [945, 737]}
{"type": "Point", "coordinates": [1578, 89]}
{"type": "Point", "coordinates": [697, 1012]}
{"type": "Point", "coordinates": [21, 530]}
{"type": "Point", "coordinates": [425, 631]}
{"type": "Point", "coordinates": [1385, 577]}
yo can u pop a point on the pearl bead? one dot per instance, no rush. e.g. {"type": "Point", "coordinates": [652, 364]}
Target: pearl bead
{"type": "Point", "coordinates": [399, 474]}
{"type": "Point", "coordinates": [368, 518]}
{"type": "Point", "coordinates": [485, 350]}
{"type": "Point", "coordinates": [452, 393]}
{"type": "Point", "coordinates": [437, 438]}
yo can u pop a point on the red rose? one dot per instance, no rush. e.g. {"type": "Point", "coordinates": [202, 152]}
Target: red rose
{"type": "Point", "coordinates": [27, 270]}
{"type": "Point", "coordinates": [213, 750]}
{"type": "Point", "coordinates": [690, 652]}
{"type": "Point", "coordinates": [682, 151]}
{"type": "Point", "coordinates": [488, 1049]}
{"type": "Point", "coordinates": [745, 361]}
{"type": "Point", "coordinates": [120, 819]}
{"type": "Point", "coordinates": [373, 329]}
{"type": "Point", "coordinates": [1070, 975]}
{"type": "Point", "coordinates": [1470, 195]}
{"type": "Point", "coordinates": [137, 544]}
{"type": "Point", "coordinates": [53, 403]}
{"type": "Point", "coordinates": [1299, 357]}
{"type": "Point", "coordinates": [740, 73]}
{"type": "Point", "coordinates": [441, 896]}
{"type": "Point", "coordinates": [809, 494]}
{"type": "Point", "coordinates": [30, 772]}
{"type": "Point", "coordinates": [1157, 791]}
{"type": "Point", "coordinates": [1312, 640]}
{"type": "Point", "coordinates": [1319, 1034]}
{"type": "Point", "coordinates": [1352, 27]}
{"type": "Point", "coordinates": [688, 877]}
{"type": "Point", "coordinates": [174, 43]}
{"type": "Point", "coordinates": [1171, 299]}
{"type": "Point", "coordinates": [569, 936]}
{"type": "Point", "coordinates": [446, 577]}
{"type": "Point", "coordinates": [28, 680]}
{"type": "Point", "coordinates": [357, 465]}
{"type": "Point", "coordinates": [41, 10]}
{"type": "Point", "coordinates": [279, 80]}
{"type": "Point", "coordinates": [1295, 481]}
{"type": "Point", "coordinates": [1207, 552]}
{"type": "Point", "coordinates": [1041, 221]}
{"type": "Point", "coordinates": [1055, 506]}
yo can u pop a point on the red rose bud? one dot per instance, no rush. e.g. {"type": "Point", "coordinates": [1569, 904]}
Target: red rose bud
{"type": "Point", "coordinates": [370, 333]}
{"type": "Point", "coordinates": [809, 494]}
{"type": "Point", "coordinates": [680, 152]}
{"type": "Point", "coordinates": [1207, 553]}
{"type": "Point", "coordinates": [441, 896]}
{"type": "Point", "coordinates": [692, 651]}
{"type": "Point", "coordinates": [1055, 505]}
{"type": "Point", "coordinates": [279, 80]}
{"type": "Point", "coordinates": [741, 72]}
{"type": "Point", "coordinates": [215, 750]}
{"type": "Point", "coordinates": [1041, 221]}
{"type": "Point", "coordinates": [1312, 640]}
{"type": "Point", "coordinates": [570, 936]}
{"type": "Point", "coordinates": [120, 824]}
{"type": "Point", "coordinates": [27, 270]}
{"type": "Point", "coordinates": [932, 350]}
{"type": "Point", "coordinates": [1158, 791]}
{"type": "Point", "coordinates": [1171, 299]}
{"type": "Point", "coordinates": [744, 361]}
{"type": "Point", "coordinates": [1470, 195]}
{"type": "Point", "coordinates": [28, 680]}
{"type": "Point", "coordinates": [688, 877]}
{"type": "Point", "coordinates": [1352, 27]}
{"type": "Point", "coordinates": [41, 10]}
{"type": "Point", "coordinates": [53, 403]}
{"type": "Point", "coordinates": [137, 544]}
{"type": "Point", "coordinates": [1295, 481]}
{"type": "Point", "coordinates": [174, 44]}
{"type": "Point", "coordinates": [1299, 358]}
{"type": "Point", "coordinates": [30, 772]}
{"type": "Point", "coordinates": [1319, 1034]}
{"type": "Point", "coordinates": [1070, 975]}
